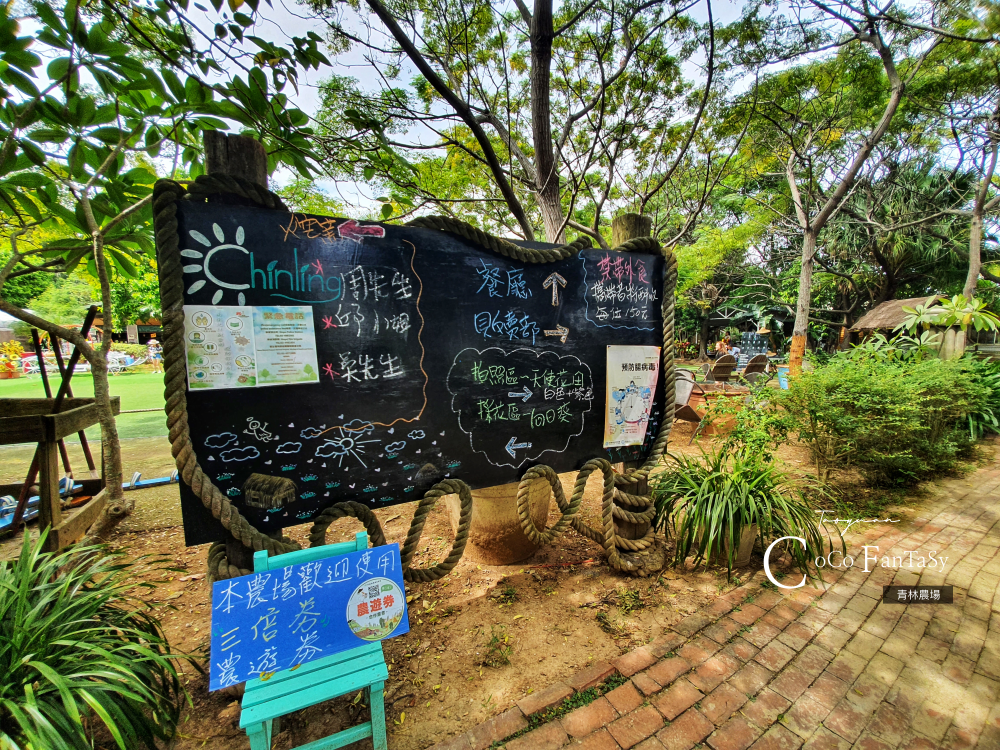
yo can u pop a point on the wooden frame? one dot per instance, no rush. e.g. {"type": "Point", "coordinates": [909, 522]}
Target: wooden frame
{"type": "Point", "coordinates": [30, 420]}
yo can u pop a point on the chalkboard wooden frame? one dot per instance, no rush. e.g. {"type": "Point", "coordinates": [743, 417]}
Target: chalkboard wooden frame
{"type": "Point", "coordinates": [210, 511]}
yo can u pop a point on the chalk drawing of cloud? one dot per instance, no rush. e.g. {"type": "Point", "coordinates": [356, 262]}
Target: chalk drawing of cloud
{"type": "Point", "coordinates": [416, 435]}
{"type": "Point", "coordinates": [221, 440]}
{"type": "Point", "coordinates": [240, 454]}
{"type": "Point", "coordinates": [310, 432]}
{"type": "Point", "coordinates": [395, 447]}
{"type": "Point", "coordinates": [359, 426]}
{"type": "Point", "coordinates": [289, 448]}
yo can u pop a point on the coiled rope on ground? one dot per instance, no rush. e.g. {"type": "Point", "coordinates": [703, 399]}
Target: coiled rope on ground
{"type": "Point", "coordinates": [619, 501]}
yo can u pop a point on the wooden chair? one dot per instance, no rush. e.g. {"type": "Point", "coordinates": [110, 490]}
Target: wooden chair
{"type": "Point", "coordinates": [756, 367]}
{"type": "Point", "coordinates": [266, 701]}
{"type": "Point", "coordinates": [722, 370]}
{"type": "Point", "coordinates": [684, 386]}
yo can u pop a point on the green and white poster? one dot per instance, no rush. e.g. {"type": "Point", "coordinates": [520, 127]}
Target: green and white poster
{"type": "Point", "coordinates": [229, 346]}
{"type": "Point", "coordinates": [286, 345]}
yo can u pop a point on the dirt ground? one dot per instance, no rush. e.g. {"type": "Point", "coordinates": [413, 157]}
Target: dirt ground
{"type": "Point", "coordinates": [547, 616]}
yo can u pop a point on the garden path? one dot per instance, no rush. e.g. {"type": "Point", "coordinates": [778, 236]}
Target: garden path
{"type": "Point", "coordinates": [833, 669]}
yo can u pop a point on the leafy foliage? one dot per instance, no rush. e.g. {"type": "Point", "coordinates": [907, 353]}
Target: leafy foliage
{"type": "Point", "coordinates": [65, 301]}
{"type": "Point", "coordinates": [81, 654]}
{"type": "Point", "coordinates": [896, 421]}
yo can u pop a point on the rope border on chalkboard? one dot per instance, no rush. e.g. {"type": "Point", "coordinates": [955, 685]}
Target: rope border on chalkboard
{"type": "Point", "coordinates": [165, 196]}
{"type": "Point", "coordinates": [615, 494]}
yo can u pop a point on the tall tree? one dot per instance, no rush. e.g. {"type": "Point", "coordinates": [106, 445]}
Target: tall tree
{"type": "Point", "coordinates": [825, 118]}
{"type": "Point", "coordinates": [91, 92]}
{"type": "Point", "coordinates": [553, 107]}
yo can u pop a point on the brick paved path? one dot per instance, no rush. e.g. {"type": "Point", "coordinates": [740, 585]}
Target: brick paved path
{"type": "Point", "coordinates": [833, 670]}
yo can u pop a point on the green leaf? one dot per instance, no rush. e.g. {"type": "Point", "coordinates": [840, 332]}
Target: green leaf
{"type": "Point", "coordinates": [27, 180]}
{"type": "Point", "coordinates": [386, 210]}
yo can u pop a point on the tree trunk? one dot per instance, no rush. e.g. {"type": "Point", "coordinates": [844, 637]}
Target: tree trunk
{"type": "Point", "coordinates": [801, 328]}
{"type": "Point", "coordinates": [119, 505]}
{"type": "Point", "coordinates": [546, 167]}
{"type": "Point", "coordinates": [703, 340]}
{"type": "Point", "coordinates": [976, 225]}
{"type": "Point", "coordinates": [975, 254]}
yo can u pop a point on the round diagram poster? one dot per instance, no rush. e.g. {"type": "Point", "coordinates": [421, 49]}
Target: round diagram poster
{"type": "Point", "coordinates": [375, 609]}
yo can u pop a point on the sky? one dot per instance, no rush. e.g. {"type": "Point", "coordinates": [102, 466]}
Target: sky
{"type": "Point", "coordinates": [284, 19]}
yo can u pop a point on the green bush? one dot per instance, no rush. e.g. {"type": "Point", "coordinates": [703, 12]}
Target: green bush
{"type": "Point", "coordinates": [133, 350]}
{"type": "Point", "coordinates": [896, 420]}
{"type": "Point", "coordinates": [81, 657]}
{"type": "Point", "coordinates": [986, 373]}
{"type": "Point", "coordinates": [757, 425]}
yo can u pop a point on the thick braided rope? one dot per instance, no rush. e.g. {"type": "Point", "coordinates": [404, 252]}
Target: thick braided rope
{"type": "Point", "coordinates": [317, 535]}
{"type": "Point", "coordinates": [611, 507]}
{"type": "Point", "coordinates": [498, 244]}
{"type": "Point", "coordinates": [430, 498]}
{"type": "Point", "coordinates": [569, 509]}
{"type": "Point", "coordinates": [165, 197]}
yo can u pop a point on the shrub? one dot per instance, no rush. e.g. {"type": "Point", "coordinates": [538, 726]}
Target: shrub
{"type": "Point", "coordinates": [81, 654]}
{"type": "Point", "coordinates": [985, 372]}
{"type": "Point", "coordinates": [708, 503]}
{"type": "Point", "coordinates": [133, 350]}
{"type": "Point", "coordinates": [896, 420]}
{"type": "Point", "coordinates": [758, 424]}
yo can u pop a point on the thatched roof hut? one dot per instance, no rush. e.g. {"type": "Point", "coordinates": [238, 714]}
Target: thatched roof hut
{"type": "Point", "coordinates": [890, 314]}
{"type": "Point", "coordinates": [268, 493]}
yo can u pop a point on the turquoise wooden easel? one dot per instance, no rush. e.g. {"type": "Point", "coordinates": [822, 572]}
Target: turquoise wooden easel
{"type": "Point", "coordinates": [266, 700]}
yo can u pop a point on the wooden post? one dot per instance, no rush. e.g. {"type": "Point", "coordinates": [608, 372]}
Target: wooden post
{"type": "Point", "coordinates": [629, 226]}
{"type": "Point", "coordinates": [237, 156]}
{"type": "Point", "coordinates": [49, 504]}
{"type": "Point", "coordinates": [623, 228]}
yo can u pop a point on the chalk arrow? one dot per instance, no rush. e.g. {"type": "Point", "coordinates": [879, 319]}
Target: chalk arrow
{"type": "Point", "coordinates": [351, 230]}
{"type": "Point", "coordinates": [561, 331]}
{"type": "Point", "coordinates": [523, 395]}
{"type": "Point", "coordinates": [513, 445]}
{"type": "Point", "coordinates": [555, 281]}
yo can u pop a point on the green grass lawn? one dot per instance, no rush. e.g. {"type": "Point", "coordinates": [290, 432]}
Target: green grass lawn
{"type": "Point", "coordinates": [142, 390]}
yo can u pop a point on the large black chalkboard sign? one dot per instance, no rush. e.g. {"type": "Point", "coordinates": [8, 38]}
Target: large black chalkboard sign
{"type": "Point", "coordinates": [433, 358]}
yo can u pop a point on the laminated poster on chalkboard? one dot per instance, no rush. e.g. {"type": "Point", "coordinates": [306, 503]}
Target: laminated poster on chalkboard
{"type": "Point", "coordinates": [368, 362]}
{"type": "Point", "coordinates": [631, 383]}
{"type": "Point", "coordinates": [276, 620]}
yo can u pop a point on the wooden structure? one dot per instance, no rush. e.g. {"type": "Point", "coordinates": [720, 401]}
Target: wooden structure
{"type": "Point", "coordinates": [888, 315]}
{"type": "Point", "coordinates": [39, 420]}
{"type": "Point", "coordinates": [269, 698]}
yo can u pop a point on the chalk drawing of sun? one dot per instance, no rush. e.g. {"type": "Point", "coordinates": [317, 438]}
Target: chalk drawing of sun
{"type": "Point", "coordinates": [205, 259]}
{"type": "Point", "coordinates": [346, 443]}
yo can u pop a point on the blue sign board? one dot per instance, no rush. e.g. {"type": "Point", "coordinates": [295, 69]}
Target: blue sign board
{"type": "Point", "coordinates": [268, 622]}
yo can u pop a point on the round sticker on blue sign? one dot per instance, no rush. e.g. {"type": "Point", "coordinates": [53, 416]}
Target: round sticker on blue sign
{"type": "Point", "coordinates": [375, 609]}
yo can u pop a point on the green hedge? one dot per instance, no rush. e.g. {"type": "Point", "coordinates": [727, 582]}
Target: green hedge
{"type": "Point", "coordinates": [895, 421]}
{"type": "Point", "coordinates": [133, 350]}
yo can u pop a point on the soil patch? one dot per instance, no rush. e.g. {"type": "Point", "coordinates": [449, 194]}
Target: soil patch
{"type": "Point", "coordinates": [480, 639]}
